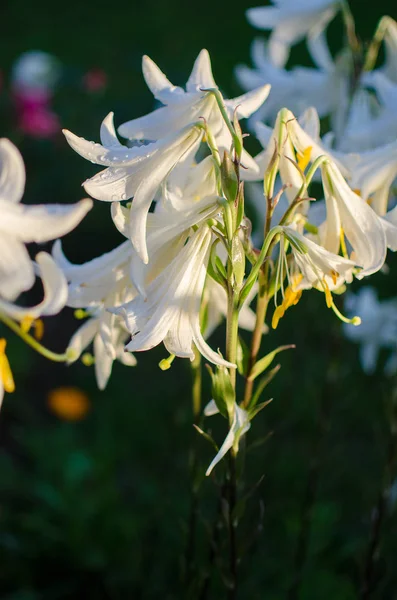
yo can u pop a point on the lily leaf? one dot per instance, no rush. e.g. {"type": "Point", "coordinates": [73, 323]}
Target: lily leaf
{"type": "Point", "coordinates": [266, 361]}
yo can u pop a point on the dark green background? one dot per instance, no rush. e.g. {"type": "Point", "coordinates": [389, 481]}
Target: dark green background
{"type": "Point", "coordinates": [98, 509]}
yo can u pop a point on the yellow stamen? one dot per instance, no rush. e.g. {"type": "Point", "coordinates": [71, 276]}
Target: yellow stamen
{"type": "Point", "coordinates": [38, 329]}
{"type": "Point", "coordinates": [166, 363]}
{"type": "Point", "coordinates": [69, 403]}
{"type": "Point", "coordinates": [28, 321]}
{"type": "Point", "coordinates": [5, 369]}
{"type": "Point", "coordinates": [328, 295]}
{"type": "Point", "coordinates": [357, 191]}
{"type": "Point", "coordinates": [304, 158]}
{"type": "Point", "coordinates": [278, 313]}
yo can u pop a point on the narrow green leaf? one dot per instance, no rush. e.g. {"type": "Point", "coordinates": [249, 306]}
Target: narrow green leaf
{"type": "Point", "coordinates": [266, 361]}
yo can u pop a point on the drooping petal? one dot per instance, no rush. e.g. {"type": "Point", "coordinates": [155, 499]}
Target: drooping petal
{"type": "Point", "coordinates": [16, 268]}
{"type": "Point", "coordinates": [103, 362]}
{"type": "Point", "coordinates": [12, 172]}
{"type": "Point", "coordinates": [55, 292]}
{"type": "Point", "coordinates": [360, 224]}
{"type": "Point", "coordinates": [82, 339]}
{"type": "Point", "coordinates": [43, 222]}
{"type": "Point", "coordinates": [93, 268]}
{"type": "Point", "coordinates": [240, 426]}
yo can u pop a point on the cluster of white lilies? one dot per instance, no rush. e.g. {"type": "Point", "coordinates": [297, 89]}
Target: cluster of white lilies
{"type": "Point", "coordinates": [175, 188]}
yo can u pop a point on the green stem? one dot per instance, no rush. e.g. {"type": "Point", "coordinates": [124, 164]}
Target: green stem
{"type": "Point", "coordinates": [267, 245]}
{"type": "Point", "coordinates": [373, 49]}
{"type": "Point", "coordinates": [32, 342]}
{"type": "Point", "coordinates": [225, 116]}
{"type": "Point", "coordinates": [196, 385]}
{"type": "Point", "coordinates": [261, 310]}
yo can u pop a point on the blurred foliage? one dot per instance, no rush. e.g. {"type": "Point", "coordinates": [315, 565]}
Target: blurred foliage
{"type": "Point", "coordinates": [99, 508]}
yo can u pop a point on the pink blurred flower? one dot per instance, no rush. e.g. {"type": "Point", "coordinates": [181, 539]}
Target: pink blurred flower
{"type": "Point", "coordinates": [34, 77]}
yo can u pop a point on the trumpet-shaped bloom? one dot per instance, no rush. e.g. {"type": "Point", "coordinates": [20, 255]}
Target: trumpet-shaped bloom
{"type": "Point", "coordinates": [349, 215]}
{"type": "Point", "coordinates": [320, 268]}
{"type": "Point", "coordinates": [134, 172]}
{"type": "Point", "coordinates": [23, 224]}
{"type": "Point", "coordinates": [378, 328]}
{"type": "Point", "coordinates": [171, 310]}
{"type": "Point", "coordinates": [290, 22]}
{"type": "Point", "coordinates": [182, 108]}
{"type": "Point", "coordinates": [240, 426]}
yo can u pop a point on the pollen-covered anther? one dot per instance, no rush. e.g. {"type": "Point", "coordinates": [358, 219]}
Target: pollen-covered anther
{"type": "Point", "coordinates": [28, 322]}
{"type": "Point", "coordinates": [5, 369]}
{"type": "Point", "coordinates": [278, 313]}
{"type": "Point", "coordinates": [328, 295]}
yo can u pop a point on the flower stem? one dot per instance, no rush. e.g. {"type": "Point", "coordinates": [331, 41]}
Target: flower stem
{"type": "Point", "coordinates": [190, 550]}
{"type": "Point", "coordinates": [231, 353]}
{"type": "Point", "coordinates": [261, 309]}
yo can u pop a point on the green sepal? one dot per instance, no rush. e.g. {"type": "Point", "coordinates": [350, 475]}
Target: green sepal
{"type": "Point", "coordinates": [266, 361]}
{"type": "Point", "coordinates": [240, 204]}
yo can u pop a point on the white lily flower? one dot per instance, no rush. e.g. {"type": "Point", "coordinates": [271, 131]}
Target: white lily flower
{"type": "Point", "coordinates": [134, 172]}
{"type": "Point", "coordinates": [297, 141]}
{"type": "Point", "coordinates": [378, 328]}
{"type": "Point", "coordinates": [182, 108]}
{"type": "Point", "coordinates": [240, 426]}
{"type": "Point", "coordinates": [299, 87]}
{"type": "Point", "coordinates": [290, 22]}
{"type": "Point", "coordinates": [23, 224]}
{"type": "Point", "coordinates": [320, 268]}
{"type": "Point", "coordinates": [171, 310]}
{"type": "Point", "coordinates": [349, 215]}
{"type": "Point", "coordinates": [97, 286]}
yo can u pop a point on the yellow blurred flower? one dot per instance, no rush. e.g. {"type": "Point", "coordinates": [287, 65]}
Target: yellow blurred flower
{"type": "Point", "coordinates": [68, 403]}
